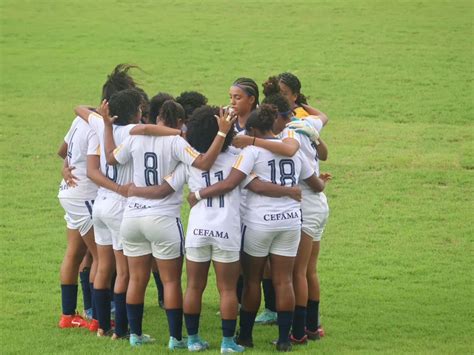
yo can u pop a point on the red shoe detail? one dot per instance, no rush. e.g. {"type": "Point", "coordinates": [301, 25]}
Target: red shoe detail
{"type": "Point", "coordinates": [302, 341]}
{"type": "Point", "coordinates": [72, 321]}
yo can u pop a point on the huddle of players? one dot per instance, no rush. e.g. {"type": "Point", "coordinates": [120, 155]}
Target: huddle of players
{"type": "Point", "coordinates": [257, 206]}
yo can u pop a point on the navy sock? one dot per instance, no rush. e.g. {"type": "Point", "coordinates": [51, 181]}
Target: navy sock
{"type": "Point", "coordinates": [175, 322]}
{"type": "Point", "coordinates": [159, 286]}
{"type": "Point", "coordinates": [312, 315]}
{"type": "Point", "coordinates": [284, 324]}
{"type": "Point", "coordinates": [192, 323]}
{"type": "Point", "coordinates": [228, 327]}
{"type": "Point", "coordinates": [240, 288]}
{"type": "Point", "coordinates": [247, 321]}
{"type": "Point", "coordinates": [94, 309]}
{"type": "Point", "coordinates": [121, 321]}
{"type": "Point", "coordinates": [269, 294]}
{"type": "Point", "coordinates": [102, 305]}
{"type": "Point", "coordinates": [135, 317]}
{"type": "Point", "coordinates": [69, 299]}
{"type": "Point", "coordinates": [299, 322]}
{"type": "Point", "coordinates": [86, 289]}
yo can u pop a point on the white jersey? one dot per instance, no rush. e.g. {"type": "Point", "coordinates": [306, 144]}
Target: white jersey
{"type": "Point", "coordinates": [267, 213]}
{"type": "Point", "coordinates": [216, 220]}
{"type": "Point", "coordinates": [153, 159]}
{"type": "Point", "coordinates": [121, 174]}
{"type": "Point", "coordinates": [81, 142]}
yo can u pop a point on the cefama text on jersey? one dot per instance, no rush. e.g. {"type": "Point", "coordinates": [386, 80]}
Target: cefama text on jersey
{"type": "Point", "coordinates": [210, 233]}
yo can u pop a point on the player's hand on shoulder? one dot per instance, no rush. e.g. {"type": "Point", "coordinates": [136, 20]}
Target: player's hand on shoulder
{"type": "Point", "coordinates": [105, 113]}
{"type": "Point", "coordinates": [242, 141]}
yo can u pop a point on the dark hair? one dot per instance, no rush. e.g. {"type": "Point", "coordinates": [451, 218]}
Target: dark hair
{"type": "Point", "coordinates": [262, 118]}
{"type": "Point", "coordinates": [280, 103]}
{"type": "Point", "coordinates": [203, 127]}
{"type": "Point", "coordinates": [155, 105]}
{"type": "Point", "coordinates": [191, 100]}
{"type": "Point", "coordinates": [118, 80]}
{"type": "Point", "coordinates": [271, 86]}
{"type": "Point", "coordinates": [250, 87]}
{"type": "Point", "coordinates": [171, 112]}
{"type": "Point", "coordinates": [294, 84]}
{"type": "Point", "coordinates": [144, 104]}
{"type": "Point", "coordinates": [125, 105]}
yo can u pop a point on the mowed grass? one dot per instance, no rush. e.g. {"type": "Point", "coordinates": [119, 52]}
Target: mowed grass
{"type": "Point", "coordinates": [396, 79]}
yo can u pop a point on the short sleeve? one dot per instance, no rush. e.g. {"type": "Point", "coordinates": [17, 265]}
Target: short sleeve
{"type": "Point", "coordinates": [123, 152]}
{"type": "Point", "coordinates": [183, 151]}
{"type": "Point", "coordinates": [178, 177]}
{"type": "Point", "coordinates": [96, 122]}
{"type": "Point", "coordinates": [245, 161]}
{"type": "Point", "coordinates": [93, 145]}
{"type": "Point", "coordinates": [289, 133]}
{"type": "Point", "coordinates": [250, 177]}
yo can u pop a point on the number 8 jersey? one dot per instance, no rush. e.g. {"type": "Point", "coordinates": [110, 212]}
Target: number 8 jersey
{"type": "Point", "coordinates": [153, 159]}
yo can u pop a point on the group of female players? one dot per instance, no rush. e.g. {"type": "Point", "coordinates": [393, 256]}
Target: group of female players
{"type": "Point", "coordinates": [257, 210]}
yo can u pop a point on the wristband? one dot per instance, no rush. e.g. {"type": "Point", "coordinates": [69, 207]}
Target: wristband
{"type": "Point", "coordinates": [222, 134]}
{"type": "Point", "coordinates": [198, 196]}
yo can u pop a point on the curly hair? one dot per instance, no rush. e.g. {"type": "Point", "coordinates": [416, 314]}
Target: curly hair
{"type": "Point", "coordinates": [262, 118]}
{"type": "Point", "coordinates": [250, 87]}
{"type": "Point", "coordinates": [125, 105]}
{"type": "Point", "coordinates": [271, 86]}
{"type": "Point", "coordinates": [294, 84]}
{"type": "Point", "coordinates": [155, 105]}
{"type": "Point", "coordinates": [118, 80]}
{"type": "Point", "coordinates": [203, 127]}
{"type": "Point", "coordinates": [191, 100]}
{"type": "Point", "coordinates": [280, 103]}
{"type": "Point", "coordinates": [171, 112]}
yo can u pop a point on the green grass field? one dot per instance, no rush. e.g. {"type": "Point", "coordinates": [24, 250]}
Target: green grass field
{"type": "Point", "coordinates": [396, 79]}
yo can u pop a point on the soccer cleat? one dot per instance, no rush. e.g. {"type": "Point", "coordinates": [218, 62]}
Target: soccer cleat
{"type": "Point", "coordinates": [87, 314]}
{"type": "Point", "coordinates": [101, 333]}
{"type": "Point", "coordinates": [302, 341]}
{"type": "Point", "coordinates": [138, 340]}
{"type": "Point", "coordinates": [72, 321]}
{"type": "Point", "coordinates": [231, 347]}
{"type": "Point", "coordinates": [94, 325]}
{"type": "Point", "coordinates": [248, 343]}
{"type": "Point", "coordinates": [312, 335]}
{"type": "Point", "coordinates": [118, 337]}
{"type": "Point", "coordinates": [195, 343]}
{"type": "Point", "coordinates": [174, 344]}
{"type": "Point", "coordinates": [284, 346]}
{"type": "Point", "coordinates": [266, 317]}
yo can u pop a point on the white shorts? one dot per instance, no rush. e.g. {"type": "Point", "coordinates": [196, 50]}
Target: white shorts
{"type": "Point", "coordinates": [161, 236]}
{"type": "Point", "coordinates": [262, 243]}
{"type": "Point", "coordinates": [78, 214]}
{"type": "Point", "coordinates": [211, 252]}
{"type": "Point", "coordinates": [315, 211]}
{"type": "Point", "coordinates": [107, 217]}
